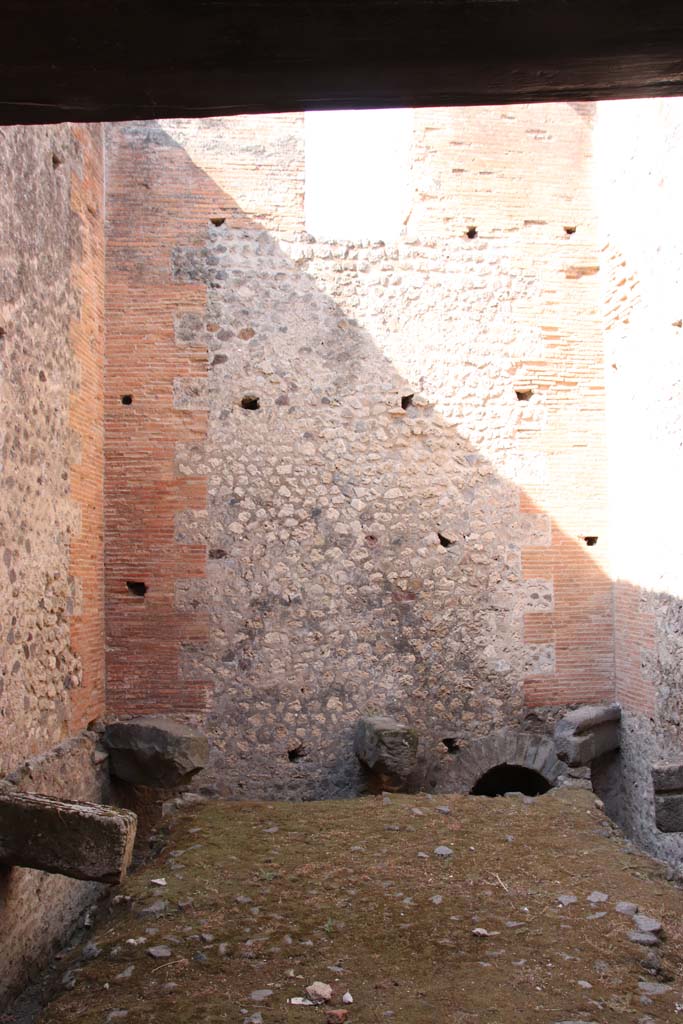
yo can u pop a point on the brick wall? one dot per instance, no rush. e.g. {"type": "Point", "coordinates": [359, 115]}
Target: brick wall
{"type": "Point", "coordinates": [149, 207]}
{"type": "Point", "coordinates": [327, 590]}
{"type": "Point", "coordinates": [401, 522]}
{"type": "Point", "coordinates": [523, 177]}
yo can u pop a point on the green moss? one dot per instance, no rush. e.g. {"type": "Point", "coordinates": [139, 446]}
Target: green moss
{"type": "Point", "coordinates": [336, 895]}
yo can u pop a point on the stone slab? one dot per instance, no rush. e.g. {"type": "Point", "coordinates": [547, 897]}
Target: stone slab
{"type": "Point", "coordinates": [589, 716]}
{"type": "Point", "coordinates": [82, 840]}
{"type": "Point", "coordinates": [587, 733]}
{"type": "Point", "coordinates": [155, 751]}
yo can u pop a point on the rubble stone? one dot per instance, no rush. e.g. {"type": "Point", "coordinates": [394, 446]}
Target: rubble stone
{"type": "Point", "coordinates": [155, 751]}
{"type": "Point", "coordinates": [387, 748]}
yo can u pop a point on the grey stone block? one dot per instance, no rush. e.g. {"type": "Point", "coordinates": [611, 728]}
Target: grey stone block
{"type": "Point", "coordinates": [667, 783]}
{"type": "Point", "coordinates": [387, 748]}
{"type": "Point", "coordinates": [81, 840]}
{"type": "Point", "coordinates": [155, 751]}
{"type": "Point", "coordinates": [669, 812]}
{"type": "Point", "coordinates": [587, 733]}
{"type": "Point", "coordinates": [667, 778]}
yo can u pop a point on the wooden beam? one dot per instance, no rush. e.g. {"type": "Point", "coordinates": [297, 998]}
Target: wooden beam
{"type": "Point", "coordinates": [87, 841]}
{"type": "Point", "coordinates": [89, 60]}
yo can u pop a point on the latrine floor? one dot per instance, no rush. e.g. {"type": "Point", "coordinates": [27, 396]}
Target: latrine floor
{"type": "Point", "coordinates": [452, 909]}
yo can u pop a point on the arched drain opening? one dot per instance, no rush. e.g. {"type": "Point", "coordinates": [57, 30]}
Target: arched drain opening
{"type": "Point", "coordinates": [510, 778]}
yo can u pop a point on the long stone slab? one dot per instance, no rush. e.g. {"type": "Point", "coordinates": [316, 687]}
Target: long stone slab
{"type": "Point", "coordinates": [63, 837]}
{"type": "Point", "coordinates": [586, 733]}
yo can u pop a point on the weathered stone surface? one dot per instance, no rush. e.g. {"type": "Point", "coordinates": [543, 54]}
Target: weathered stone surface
{"type": "Point", "coordinates": [387, 748]}
{"type": "Point", "coordinates": [319, 992]}
{"type": "Point", "coordinates": [645, 923]}
{"type": "Point", "coordinates": [647, 424]}
{"type": "Point", "coordinates": [586, 733]}
{"type": "Point", "coordinates": [667, 778]}
{"type": "Point", "coordinates": [155, 751]}
{"type": "Point", "coordinates": [669, 812]}
{"type": "Point", "coordinates": [35, 905]}
{"type": "Point", "coordinates": [502, 747]}
{"type": "Point", "coordinates": [667, 783]}
{"type": "Point", "coordinates": [159, 952]}
{"type": "Point", "coordinates": [644, 938]}
{"type": "Point", "coordinates": [88, 841]}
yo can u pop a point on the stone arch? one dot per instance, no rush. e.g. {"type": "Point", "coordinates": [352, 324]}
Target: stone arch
{"type": "Point", "coordinates": [506, 746]}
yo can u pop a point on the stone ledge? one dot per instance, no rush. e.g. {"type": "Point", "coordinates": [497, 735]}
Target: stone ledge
{"type": "Point", "coordinates": [82, 840]}
{"type": "Point", "coordinates": [588, 732]}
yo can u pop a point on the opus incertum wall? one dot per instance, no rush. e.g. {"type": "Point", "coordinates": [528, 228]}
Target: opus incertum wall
{"type": "Point", "coordinates": [357, 475]}
{"type": "Point", "coordinates": [51, 490]}
{"type": "Point", "coordinates": [347, 472]}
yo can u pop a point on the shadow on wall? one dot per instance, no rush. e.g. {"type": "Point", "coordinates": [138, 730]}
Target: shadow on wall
{"type": "Point", "coordinates": [363, 555]}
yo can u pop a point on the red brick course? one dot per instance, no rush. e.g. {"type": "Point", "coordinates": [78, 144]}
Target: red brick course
{"type": "Point", "coordinates": [143, 491]}
{"type": "Point", "coordinates": [86, 418]}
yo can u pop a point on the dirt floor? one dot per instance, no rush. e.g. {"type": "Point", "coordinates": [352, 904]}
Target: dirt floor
{"type": "Point", "coordinates": [251, 903]}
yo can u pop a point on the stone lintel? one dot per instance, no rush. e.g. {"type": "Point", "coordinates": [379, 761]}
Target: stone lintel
{"type": "Point", "coordinates": [587, 733]}
{"type": "Point", "coordinates": [82, 840]}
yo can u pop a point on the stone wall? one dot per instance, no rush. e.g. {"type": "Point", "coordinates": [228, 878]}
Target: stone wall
{"type": "Point", "coordinates": [639, 148]}
{"type": "Point", "coordinates": [51, 451]}
{"type": "Point", "coordinates": [343, 476]}
{"type": "Point", "coordinates": [392, 454]}
{"type": "Point", "coordinates": [38, 909]}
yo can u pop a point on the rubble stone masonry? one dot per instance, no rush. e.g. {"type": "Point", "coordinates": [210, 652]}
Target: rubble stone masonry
{"type": "Point", "coordinates": [344, 476]}
{"type": "Point", "coordinates": [352, 475]}
{"type": "Point", "coordinates": [51, 528]}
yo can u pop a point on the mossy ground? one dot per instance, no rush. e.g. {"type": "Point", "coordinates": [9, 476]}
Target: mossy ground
{"type": "Point", "coordinates": [335, 892]}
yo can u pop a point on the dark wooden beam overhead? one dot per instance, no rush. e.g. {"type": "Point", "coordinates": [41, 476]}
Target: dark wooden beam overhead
{"type": "Point", "coordinates": [90, 60]}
